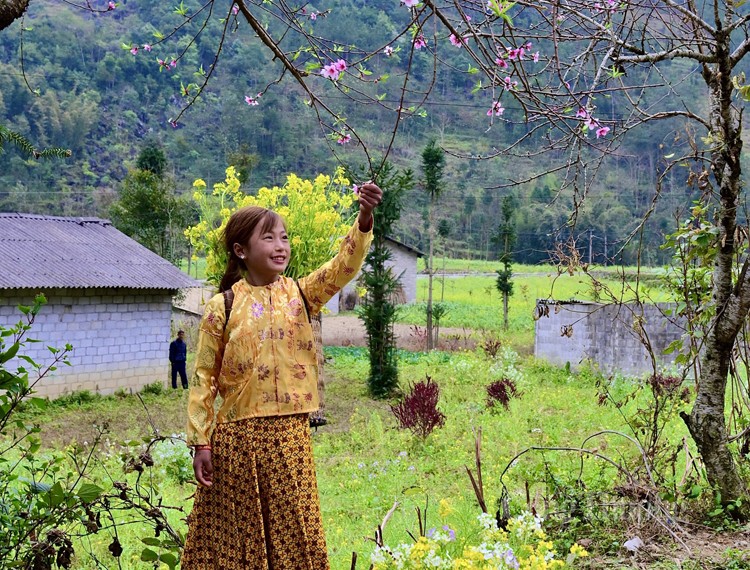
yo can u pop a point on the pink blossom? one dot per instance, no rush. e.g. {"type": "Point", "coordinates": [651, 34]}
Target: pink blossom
{"type": "Point", "coordinates": [134, 50]}
{"type": "Point", "coordinates": [458, 42]}
{"type": "Point", "coordinates": [162, 63]}
{"type": "Point", "coordinates": [410, 3]}
{"type": "Point", "coordinates": [344, 138]}
{"type": "Point", "coordinates": [111, 6]}
{"type": "Point", "coordinates": [420, 42]}
{"type": "Point", "coordinates": [147, 47]}
{"type": "Point", "coordinates": [330, 72]}
{"type": "Point", "coordinates": [514, 54]}
{"type": "Point", "coordinates": [582, 113]}
{"type": "Point", "coordinates": [173, 63]}
{"type": "Point", "coordinates": [602, 132]}
{"type": "Point", "coordinates": [252, 101]}
{"type": "Point", "coordinates": [339, 65]}
{"type": "Point", "coordinates": [501, 63]}
{"type": "Point", "coordinates": [536, 57]}
{"type": "Point", "coordinates": [173, 124]}
{"type": "Point", "coordinates": [313, 16]}
{"type": "Point", "coordinates": [355, 189]}
{"type": "Point", "coordinates": [509, 83]}
{"type": "Point", "coordinates": [235, 9]}
{"type": "Point", "coordinates": [497, 109]}
{"type": "Point", "coordinates": [388, 51]}
{"type": "Point", "coordinates": [591, 123]}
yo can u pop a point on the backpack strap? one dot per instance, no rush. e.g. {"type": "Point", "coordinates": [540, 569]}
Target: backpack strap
{"type": "Point", "coordinates": [304, 300]}
{"type": "Point", "coordinates": [228, 300]}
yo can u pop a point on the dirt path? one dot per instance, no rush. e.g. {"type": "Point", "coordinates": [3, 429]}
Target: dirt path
{"type": "Point", "coordinates": [349, 330]}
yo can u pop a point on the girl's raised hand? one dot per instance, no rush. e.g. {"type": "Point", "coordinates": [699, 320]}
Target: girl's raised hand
{"type": "Point", "coordinates": [370, 195]}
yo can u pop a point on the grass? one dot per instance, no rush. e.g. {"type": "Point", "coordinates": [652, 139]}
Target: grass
{"type": "Point", "coordinates": [365, 464]}
{"type": "Point", "coordinates": [473, 302]}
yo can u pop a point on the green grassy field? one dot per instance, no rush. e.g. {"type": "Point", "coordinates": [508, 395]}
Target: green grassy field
{"type": "Point", "coordinates": [365, 463]}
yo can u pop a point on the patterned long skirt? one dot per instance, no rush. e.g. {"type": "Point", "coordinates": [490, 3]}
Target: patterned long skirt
{"type": "Point", "coordinates": [262, 511]}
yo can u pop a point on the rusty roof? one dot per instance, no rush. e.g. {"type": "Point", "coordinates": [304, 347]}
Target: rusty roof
{"type": "Point", "coordinates": [38, 252]}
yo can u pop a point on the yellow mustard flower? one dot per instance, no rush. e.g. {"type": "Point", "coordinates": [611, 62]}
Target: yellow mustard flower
{"type": "Point", "coordinates": [444, 508]}
{"type": "Point", "coordinates": [578, 550]}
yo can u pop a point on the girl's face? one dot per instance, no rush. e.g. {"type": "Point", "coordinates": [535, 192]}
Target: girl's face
{"type": "Point", "coordinates": [266, 254]}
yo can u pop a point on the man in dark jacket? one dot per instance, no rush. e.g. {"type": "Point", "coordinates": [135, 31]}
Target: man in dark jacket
{"type": "Point", "coordinates": [178, 357]}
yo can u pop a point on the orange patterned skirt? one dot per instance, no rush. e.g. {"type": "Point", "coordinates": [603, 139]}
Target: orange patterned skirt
{"type": "Point", "coordinates": [262, 511]}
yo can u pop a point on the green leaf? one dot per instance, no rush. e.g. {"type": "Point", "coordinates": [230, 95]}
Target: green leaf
{"type": "Point", "coordinates": [149, 555]}
{"type": "Point", "coordinates": [413, 490]}
{"type": "Point", "coordinates": [151, 541]}
{"type": "Point", "coordinates": [89, 492]}
{"type": "Point", "coordinates": [10, 353]}
{"type": "Point", "coordinates": [169, 559]}
{"type": "Point", "coordinates": [56, 495]}
{"type": "Point", "coordinates": [39, 487]}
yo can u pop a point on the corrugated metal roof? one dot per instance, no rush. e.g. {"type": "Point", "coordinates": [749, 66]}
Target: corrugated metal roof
{"type": "Point", "coordinates": [51, 252]}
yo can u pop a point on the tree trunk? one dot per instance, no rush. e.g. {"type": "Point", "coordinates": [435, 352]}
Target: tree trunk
{"type": "Point", "coordinates": [319, 417]}
{"type": "Point", "coordinates": [11, 10]}
{"type": "Point", "coordinates": [505, 311]}
{"type": "Point", "coordinates": [430, 340]}
{"type": "Point", "coordinates": [706, 421]}
{"type": "Point", "coordinates": [708, 426]}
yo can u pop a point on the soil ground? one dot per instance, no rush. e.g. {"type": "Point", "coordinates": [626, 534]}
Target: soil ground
{"type": "Point", "coordinates": [348, 330]}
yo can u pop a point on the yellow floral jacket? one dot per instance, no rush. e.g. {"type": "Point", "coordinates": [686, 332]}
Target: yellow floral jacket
{"type": "Point", "coordinates": [263, 362]}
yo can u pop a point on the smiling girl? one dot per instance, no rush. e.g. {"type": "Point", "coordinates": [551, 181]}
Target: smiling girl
{"type": "Point", "coordinates": [257, 506]}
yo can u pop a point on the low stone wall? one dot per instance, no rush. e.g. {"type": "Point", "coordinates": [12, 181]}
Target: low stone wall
{"type": "Point", "coordinates": [607, 335]}
{"type": "Point", "coordinates": [120, 338]}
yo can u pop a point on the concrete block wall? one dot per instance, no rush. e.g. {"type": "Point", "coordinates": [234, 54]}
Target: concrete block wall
{"type": "Point", "coordinates": [607, 335]}
{"type": "Point", "coordinates": [120, 338]}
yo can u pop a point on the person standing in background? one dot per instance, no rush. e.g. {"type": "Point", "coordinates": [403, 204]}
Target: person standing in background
{"type": "Point", "coordinates": [178, 358]}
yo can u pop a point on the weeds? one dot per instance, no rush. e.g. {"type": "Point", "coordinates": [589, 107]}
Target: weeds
{"type": "Point", "coordinates": [418, 410]}
{"type": "Point", "coordinates": [502, 392]}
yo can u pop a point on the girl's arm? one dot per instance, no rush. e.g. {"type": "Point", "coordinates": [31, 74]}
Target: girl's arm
{"type": "Point", "coordinates": [208, 357]}
{"type": "Point", "coordinates": [325, 282]}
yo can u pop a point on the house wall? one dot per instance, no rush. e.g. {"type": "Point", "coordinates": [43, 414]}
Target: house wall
{"type": "Point", "coordinates": [404, 263]}
{"type": "Point", "coordinates": [606, 335]}
{"type": "Point", "coordinates": [120, 338]}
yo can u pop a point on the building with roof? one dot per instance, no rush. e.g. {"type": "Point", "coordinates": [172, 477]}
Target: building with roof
{"type": "Point", "coordinates": [403, 262]}
{"type": "Point", "coordinates": [107, 296]}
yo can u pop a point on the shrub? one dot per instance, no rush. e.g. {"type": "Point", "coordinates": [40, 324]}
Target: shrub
{"type": "Point", "coordinates": [491, 345]}
{"type": "Point", "coordinates": [174, 459]}
{"type": "Point", "coordinates": [501, 392]}
{"type": "Point", "coordinates": [77, 398]}
{"type": "Point", "coordinates": [154, 389]}
{"type": "Point", "coordinates": [418, 410]}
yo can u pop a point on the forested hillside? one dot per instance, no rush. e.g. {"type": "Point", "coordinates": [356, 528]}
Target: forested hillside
{"type": "Point", "coordinates": [105, 104]}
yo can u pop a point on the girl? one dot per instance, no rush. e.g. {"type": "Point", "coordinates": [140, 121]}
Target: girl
{"type": "Point", "coordinates": [257, 507]}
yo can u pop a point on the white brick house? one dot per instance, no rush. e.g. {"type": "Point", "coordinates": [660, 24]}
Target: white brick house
{"type": "Point", "coordinates": [107, 296]}
{"type": "Point", "coordinates": [404, 263]}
